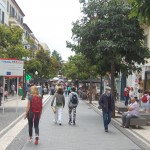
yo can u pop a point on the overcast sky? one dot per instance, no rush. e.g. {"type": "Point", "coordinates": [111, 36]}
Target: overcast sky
{"type": "Point", "coordinates": [50, 21]}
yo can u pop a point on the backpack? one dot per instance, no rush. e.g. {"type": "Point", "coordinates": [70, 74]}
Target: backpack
{"type": "Point", "coordinates": [74, 99]}
{"type": "Point", "coordinates": [59, 101]}
{"type": "Point", "coordinates": [36, 104]}
{"type": "Point", "coordinates": [144, 99]}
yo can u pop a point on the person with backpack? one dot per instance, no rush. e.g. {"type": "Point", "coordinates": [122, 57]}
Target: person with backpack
{"type": "Point", "coordinates": [33, 112]}
{"type": "Point", "coordinates": [145, 102]}
{"type": "Point", "coordinates": [72, 105]}
{"type": "Point", "coordinates": [58, 102]}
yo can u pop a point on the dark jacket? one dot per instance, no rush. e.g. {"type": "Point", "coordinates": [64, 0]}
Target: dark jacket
{"type": "Point", "coordinates": [103, 102]}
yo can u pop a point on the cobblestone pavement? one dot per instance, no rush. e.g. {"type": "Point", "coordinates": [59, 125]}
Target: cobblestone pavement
{"type": "Point", "coordinates": [87, 134]}
{"type": "Point", "coordinates": [10, 114]}
{"type": "Point", "coordinates": [141, 135]}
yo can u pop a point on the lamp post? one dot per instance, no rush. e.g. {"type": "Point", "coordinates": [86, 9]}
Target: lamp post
{"type": "Point", "coordinates": [24, 85]}
{"type": "Point", "coordinates": [36, 74]}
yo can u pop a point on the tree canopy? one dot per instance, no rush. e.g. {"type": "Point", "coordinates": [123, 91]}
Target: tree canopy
{"type": "Point", "coordinates": [78, 67]}
{"type": "Point", "coordinates": [57, 56]}
{"type": "Point", "coordinates": [141, 8]}
{"type": "Point", "coordinates": [105, 35]}
{"type": "Point", "coordinates": [11, 43]}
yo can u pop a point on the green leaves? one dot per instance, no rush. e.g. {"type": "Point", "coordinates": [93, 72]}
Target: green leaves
{"type": "Point", "coordinates": [106, 34]}
{"type": "Point", "coordinates": [78, 67]}
{"type": "Point", "coordinates": [11, 43]}
{"type": "Point", "coordinates": [141, 9]}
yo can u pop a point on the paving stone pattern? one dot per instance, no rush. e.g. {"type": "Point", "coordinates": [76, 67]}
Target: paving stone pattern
{"type": "Point", "coordinates": [88, 134]}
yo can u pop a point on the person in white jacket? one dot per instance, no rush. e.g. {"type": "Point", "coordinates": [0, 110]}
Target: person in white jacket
{"type": "Point", "coordinates": [72, 105]}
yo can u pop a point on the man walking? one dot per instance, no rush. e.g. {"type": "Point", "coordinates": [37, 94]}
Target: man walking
{"type": "Point", "coordinates": [106, 101]}
{"type": "Point", "coordinates": [72, 105]}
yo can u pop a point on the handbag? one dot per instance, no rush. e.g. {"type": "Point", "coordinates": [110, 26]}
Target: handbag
{"type": "Point", "coordinates": [54, 109]}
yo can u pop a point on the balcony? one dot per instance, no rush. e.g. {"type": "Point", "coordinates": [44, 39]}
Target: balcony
{"type": "Point", "coordinates": [13, 21]}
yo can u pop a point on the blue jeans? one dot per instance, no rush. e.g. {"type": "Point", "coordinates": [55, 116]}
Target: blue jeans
{"type": "Point", "coordinates": [126, 99]}
{"type": "Point", "coordinates": [106, 118]}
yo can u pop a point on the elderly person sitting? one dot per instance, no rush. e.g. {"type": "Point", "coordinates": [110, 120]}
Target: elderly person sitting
{"type": "Point", "coordinates": [133, 112]}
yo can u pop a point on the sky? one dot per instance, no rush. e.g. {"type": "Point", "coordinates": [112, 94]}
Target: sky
{"type": "Point", "coordinates": [51, 21]}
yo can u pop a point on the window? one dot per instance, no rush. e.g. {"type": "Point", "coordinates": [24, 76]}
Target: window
{"type": "Point", "coordinates": [7, 6]}
{"type": "Point", "coordinates": [16, 15]}
{"type": "Point", "coordinates": [21, 20]}
{"type": "Point", "coordinates": [3, 16]}
{"type": "Point", "coordinates": [26, 47]}
{"type": "Point", "coordinates": [0, 15]}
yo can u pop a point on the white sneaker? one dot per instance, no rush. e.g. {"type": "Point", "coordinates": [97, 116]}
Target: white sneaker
{"type": "Point", "coordinates": [55, 121]}
{"type": "Point", "coordinates": [30, 139]}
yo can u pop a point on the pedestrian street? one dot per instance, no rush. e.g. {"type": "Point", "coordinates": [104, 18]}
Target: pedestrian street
{"type": "Point", "coordinates": [87, 134]}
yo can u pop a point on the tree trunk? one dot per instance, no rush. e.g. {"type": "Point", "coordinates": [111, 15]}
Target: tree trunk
{"type": "Point", "coordinates": [112, 82]}
{"type": "Point", "coordinates": [90, 95]}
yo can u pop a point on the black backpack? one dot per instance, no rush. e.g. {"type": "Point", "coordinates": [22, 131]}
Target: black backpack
{"type": "Point", "coordinates": [74, 99]}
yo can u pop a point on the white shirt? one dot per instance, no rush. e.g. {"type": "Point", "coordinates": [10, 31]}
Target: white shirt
{"type": "Point", "coordinates": [135, 111]}
{"type": "Point", "coordinates": [131, 94]}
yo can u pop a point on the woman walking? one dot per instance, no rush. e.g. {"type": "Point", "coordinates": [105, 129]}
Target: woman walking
{"type": "Point", "coordinates": [58, 102]}
{"type": "Point", "coordinates": [33, 112]}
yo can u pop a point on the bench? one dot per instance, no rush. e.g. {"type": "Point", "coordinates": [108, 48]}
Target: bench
{"type": "Point", "coordinates": [120, 108]}
{"type": "Point", "coordinates": [139, 121]}
{"type": "Point", "coordinates": [145, 115]}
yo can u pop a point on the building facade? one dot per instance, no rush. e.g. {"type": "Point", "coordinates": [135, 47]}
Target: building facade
{"type": "Point", "coordinates": [14, 14]}
{"type": "Point", "coordinates": [2, 11]}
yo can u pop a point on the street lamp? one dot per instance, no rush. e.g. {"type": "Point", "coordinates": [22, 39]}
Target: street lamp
{"type": "Point", "coordinates": [36, 74]}
{"type": "Point", "coordinates": [24, 85]}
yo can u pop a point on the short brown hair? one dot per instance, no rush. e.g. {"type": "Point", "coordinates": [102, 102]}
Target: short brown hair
{"type": "Point", "coordinates": [73, 89]}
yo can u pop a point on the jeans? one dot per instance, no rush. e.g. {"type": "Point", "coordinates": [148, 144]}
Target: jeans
{"type": "Point", "coordinates": [106, 119]}
{"type": "Point", "coordinates": [126, 119]}
{"type": "Point", "coordinates": [70, 114]}
{"type": "Point", "coordinates": [126, 99]}
{"type": "Point", "coordinates": [33, 119]}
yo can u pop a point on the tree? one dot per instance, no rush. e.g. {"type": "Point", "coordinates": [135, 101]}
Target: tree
{"type": "Point", "coordinates": [55, 66]}
{"type": "Point", "coordinates": [43, 56]}
{"type": "Point", "coordinates": [77, 68]}
{"type": "Point", "coordinates": [11, 43]}
{"type": "Point", "coordinates": [108, 37]}
{"type": "Point", "coordinates": [141, 9]}
{"type": "Point", "coordinates": [32, 66]}
{"type": "Point", "coordinates": [57, 56]}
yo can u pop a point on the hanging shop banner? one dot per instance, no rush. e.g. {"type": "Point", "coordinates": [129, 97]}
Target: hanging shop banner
{"type": "Point", "coordinates": [11, 68]}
